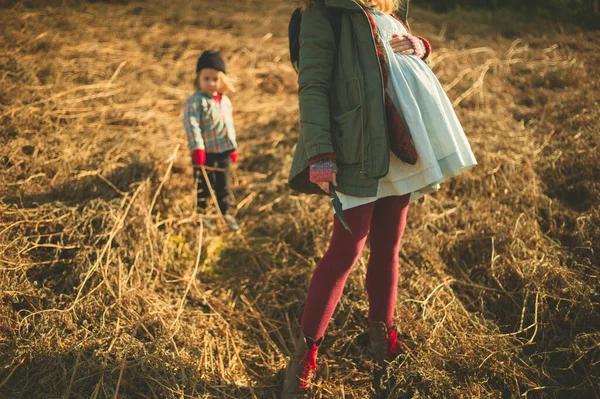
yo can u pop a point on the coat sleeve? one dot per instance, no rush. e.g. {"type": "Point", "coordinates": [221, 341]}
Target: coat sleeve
{"type": "Point", "coordinates": [230, 123]}
{"type": "Point", "coordinates": [317, 50]}
{"type": "Point", "coordinates": [191, 121]}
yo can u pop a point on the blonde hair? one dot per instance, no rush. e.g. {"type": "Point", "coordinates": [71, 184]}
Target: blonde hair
{"type": "Point", "coordinates": [385, 6]}
{"type": "Point", "coordinates": [226, 83]}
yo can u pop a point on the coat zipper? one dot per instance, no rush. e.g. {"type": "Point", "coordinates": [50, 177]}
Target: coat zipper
{"type": "Point", "coordinates": [363, 172]}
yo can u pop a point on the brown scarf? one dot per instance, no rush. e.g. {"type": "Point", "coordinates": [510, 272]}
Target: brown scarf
{"type": "Point", "coordinates": [401, 143]}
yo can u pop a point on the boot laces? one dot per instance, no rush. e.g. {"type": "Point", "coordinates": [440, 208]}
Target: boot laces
{"type": "Point", "coordinates": [393, 344]}
{"type": "Point", "coordinates": [310, 364]}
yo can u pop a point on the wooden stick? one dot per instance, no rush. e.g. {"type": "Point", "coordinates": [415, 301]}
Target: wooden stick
{"type": "Point", "coordinates": [68, 394]}
{"type": "Point", "coordinates": [209, 168]}
{"type": "Point", "coordinates": [212, 192]}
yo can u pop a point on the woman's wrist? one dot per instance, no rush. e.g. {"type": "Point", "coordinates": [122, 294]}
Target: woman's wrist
{"type": "Point", "coordinates": [426, 46]}
{"type": "Point", "coordinates": [417, 45]}
{"type": "Point", "coordinates": [323, 170]}
{"type": "Point", "coordinates": [321, 157]}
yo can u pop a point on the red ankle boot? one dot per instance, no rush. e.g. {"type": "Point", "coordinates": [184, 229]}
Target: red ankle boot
{"type": "Point", "coordinates": [384, 343]}
{"type": "Point", "coordinates": [300, 369]}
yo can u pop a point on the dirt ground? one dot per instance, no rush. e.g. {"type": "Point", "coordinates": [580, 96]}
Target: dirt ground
{"type": "Point", "coordinates": [110, 289]}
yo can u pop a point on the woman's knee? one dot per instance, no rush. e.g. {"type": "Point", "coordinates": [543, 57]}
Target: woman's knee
{"type": "Point", "coordinates": [342, 257]}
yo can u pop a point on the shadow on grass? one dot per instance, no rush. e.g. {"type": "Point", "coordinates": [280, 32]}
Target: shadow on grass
{"type": "Point", "coordinates": [82, 190]}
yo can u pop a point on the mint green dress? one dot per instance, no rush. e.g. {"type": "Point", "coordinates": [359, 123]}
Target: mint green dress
{"type": "Point", "coordinates": [439, 139]}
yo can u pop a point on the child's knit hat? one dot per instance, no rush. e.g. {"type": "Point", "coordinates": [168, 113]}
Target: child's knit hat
{"type": "Point", "coordinates": [211, 59]}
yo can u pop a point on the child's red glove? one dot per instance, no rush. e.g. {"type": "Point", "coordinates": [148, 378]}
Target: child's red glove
{"type": "Point", "coordinates": [234, 156]}
{"type": "Point", "coordinates": [199, 157]}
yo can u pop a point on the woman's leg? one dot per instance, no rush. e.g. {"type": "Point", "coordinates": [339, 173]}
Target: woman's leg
{"type": "Point", "coordinates": [387, 226]}
{"type": "Point", "coordinates": [327, 283]}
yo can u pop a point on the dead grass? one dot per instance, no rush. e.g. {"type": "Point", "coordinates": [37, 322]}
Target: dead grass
{"type": "Point", "coordinates": [110, 288]}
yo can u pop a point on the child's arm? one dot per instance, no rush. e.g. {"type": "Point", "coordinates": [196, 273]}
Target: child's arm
{"type": "Point", "coordinates": [317, 49]}
{"type": "Point", "coordinates": [230, 127]}
{"type": "Point", "coordinates": [191, 120]}
{"type": "Point", "coordinates": [229, 120]}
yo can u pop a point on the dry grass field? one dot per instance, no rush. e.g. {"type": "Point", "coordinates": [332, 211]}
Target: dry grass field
{"type": "Point", "coordinates": [110, 289]}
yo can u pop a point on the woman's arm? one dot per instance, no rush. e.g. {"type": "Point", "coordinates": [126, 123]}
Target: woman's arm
{"type": "Point", "coordinates": [317, 51]}
{"type": "Point", "coordinates": [409, 44]}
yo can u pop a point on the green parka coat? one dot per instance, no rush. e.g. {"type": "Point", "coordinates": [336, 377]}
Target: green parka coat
{"type": "Point", "coordinates": [342, 104]}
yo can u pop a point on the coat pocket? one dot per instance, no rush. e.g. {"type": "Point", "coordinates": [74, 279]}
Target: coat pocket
{"type": "Point", "coordinates": [348, 135]}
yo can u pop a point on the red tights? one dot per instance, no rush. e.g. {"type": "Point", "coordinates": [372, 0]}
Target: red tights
{"type": "Point", "coordinates": [385, 220]}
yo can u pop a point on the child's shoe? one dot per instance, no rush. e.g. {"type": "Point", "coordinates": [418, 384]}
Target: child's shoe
{"type": "Point", "coordinates": [231, 222]}
{"type": "Point", "coordinates": [208, 225]}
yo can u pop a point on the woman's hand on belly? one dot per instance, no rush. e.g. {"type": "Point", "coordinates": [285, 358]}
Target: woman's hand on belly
{"type": "Point", "coordinates": [407, 44]}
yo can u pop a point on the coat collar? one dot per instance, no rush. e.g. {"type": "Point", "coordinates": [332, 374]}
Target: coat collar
{"type": "Point", "coordinates": [346, 4]}
{"type": "Point", "coordinates": [352, 5]}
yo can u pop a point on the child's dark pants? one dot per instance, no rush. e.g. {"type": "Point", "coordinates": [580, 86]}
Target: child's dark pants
{"type": "Point", "coordinates": [384, 220]}
{"type": "Point", "coordinates": [218, 181]}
